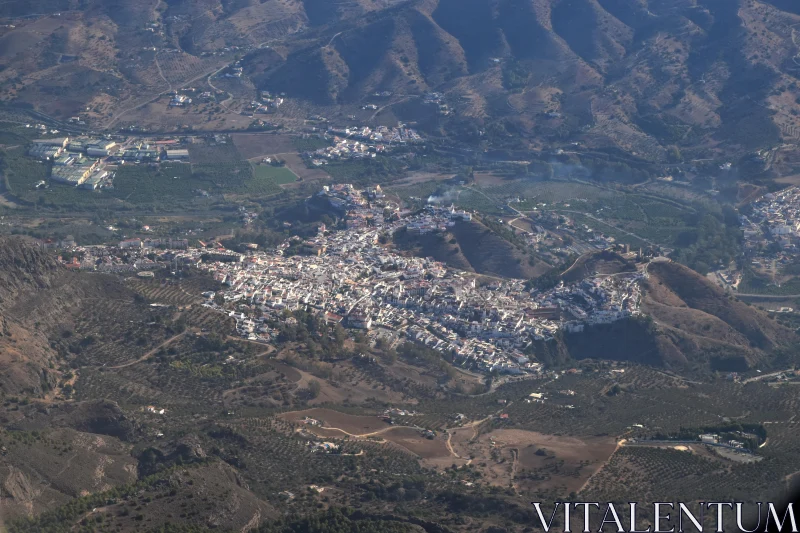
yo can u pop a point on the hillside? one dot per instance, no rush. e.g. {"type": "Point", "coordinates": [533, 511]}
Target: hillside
{"type": "Point", "coordinates": [604, 262]}
{"type": "Point", "coordinates": [634, 75]}
{"type": "Point", "coordinates": [688, 324]}
{"type": "Point", "coordinates": [26, 275]}
{"type": "Point", "coordinates": [703, 322]}
{"type": "Point", "coordinates": [638, 76]}
{"type": "Point", "coordinates": [39, 303]}
{"type": "Point", "coordinates": [473, 247]}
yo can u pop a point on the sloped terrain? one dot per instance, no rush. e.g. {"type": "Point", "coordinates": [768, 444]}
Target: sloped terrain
{"type": "Point", "coordinates": [688, 324]}
{"type": "Point", "coordinates": [39, 300]}
{"type": "Point", "coordinates": [706, 324]}
{"type": "Point", "coordinates": [25, 354]}
{"type": "Point", "coordinates": [604, 262]}
{"type": "Point", "coordinates": [631, 74]}
{"type": "Point", "coordinates": [473, 247]}
{"type": "Point", "coordinates": [48, 469]}
{"type": "Point", "coordinates": [634, 75]}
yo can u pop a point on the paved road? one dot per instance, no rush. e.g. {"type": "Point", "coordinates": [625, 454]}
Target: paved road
{"type": "Point", "coordinates": [765, 376]}
{"type": "Point", "coordinates": [768, 296]}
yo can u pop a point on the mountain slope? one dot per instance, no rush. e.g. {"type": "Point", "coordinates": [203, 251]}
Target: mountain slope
{"type": "Point", "coordinates": [688, 324]}
{"type": "Point", "coordinates": [635, 75]}
{"type": "Point", "coordinates": [714, 77]}
{"type": "Point", "coordinates": [705, 324]}
{"type": "Point", "coordinates": [39, 299]}
{"type": "Point", "coordinates": [25, 353]}
{"type": "Point", "coordinates": [473, 247]}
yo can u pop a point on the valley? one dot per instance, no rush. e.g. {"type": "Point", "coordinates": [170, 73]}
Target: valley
{"type": "Point", "coordinates": [282, 266]}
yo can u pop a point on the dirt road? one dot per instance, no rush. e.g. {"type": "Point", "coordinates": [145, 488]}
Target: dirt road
{"type": "Point", "coordinates": [152, 352]}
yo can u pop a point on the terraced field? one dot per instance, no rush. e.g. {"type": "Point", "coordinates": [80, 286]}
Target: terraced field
{"type": "Point", "coordinates": [173, 292]}
{"type": "Point", "coordinates": [114, 332]}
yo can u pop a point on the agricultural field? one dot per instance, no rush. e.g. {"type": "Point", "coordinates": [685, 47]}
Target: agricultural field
{"type": "Point", "coordinates": [178, 185]}
{"type": "Point", "coordinates": [114, 332]}
{"type": "Point", "coordinates": [648, 472]}
{"type": "Point", "coordinates": [277, 458]}
{"type": "Point", "coordinates": [546, 192]}
{"type": "Point", "coordinates": [15, 134]}
{"type": "Point", "coordinates": [365, 172]}
{"type": "Point", "coordinates": [296, 164]}
{"type": "Point", "coordinates": [334, 420]}
{"type": "Point", "coordinates": [754, 284]}
{"type": "Point", "coordinates": [209, 154]}
{"type": "Point", "coordinates": [619, 236]}
{"type": "Point", "coordinates": [259, 145]}
{"type": "Point", "coordinates": [278, 175]}
{"type": "Point", "coordinates": [659, 221]}
{"type": "Point", "coordinates": [627, 216]}
{"type": "Point", "coordinates": [431, 451]}
{"type": "Point", "coordinates": [186, 375]}
{"type": "Point", "coordinates": [267, 179]}
{"type": "Point", "coordinates": [338, 425]}
{"type": "Point", "coordinates": [309, 144]}
{"type": "Point", "coordinates": [171, 291]}
{"type": "Point", "coordinates": [22, 173]}
{"type": "Point", "coordinates": [406, 190]}
{"type": "Point", "coordinates": [340, 382]}
{"type": "Point", "coordinates": [167, 184]}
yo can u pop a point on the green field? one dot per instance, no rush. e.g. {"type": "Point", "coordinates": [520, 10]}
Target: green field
{"type": "Point", "coordinates": [310, 144]}
{"type": "Point", "coordinates": [655, 219]}
{"type": "Point", "coordinates": [167, 183]}
{"type": "Point", "coordinates": [278, 175]}
{"type": "Point", "coordinates": [754, 284]}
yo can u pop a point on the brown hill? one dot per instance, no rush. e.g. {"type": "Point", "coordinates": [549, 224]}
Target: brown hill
{"type": "Point", "coordinates": [473, 247]}
{"type": "Point", "coordinates": [636, 75]}
{"type": "Point", "coordinates": [604, 262]}
{"type": "Point", "coordinates": [689, 324]}
{"type": "Point", "coordinates": [703, 322]}
{"type": "Point", "coordinates": [38, 299]}
{"type": "Point", "coordinates": [26, 274]}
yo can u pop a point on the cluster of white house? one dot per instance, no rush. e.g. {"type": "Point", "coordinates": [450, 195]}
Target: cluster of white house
{"type": "Point", "coordinates": [351, 278]}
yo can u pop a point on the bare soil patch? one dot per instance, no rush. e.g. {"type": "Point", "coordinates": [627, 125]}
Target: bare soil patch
{"type": "Point", "coordinates": [298, 166]}
{"type": "Point", "coordinates": [412, 440]}
{"type": "Point", "coordinates": [532, 460]}
{"type": "Point", "coordinates": [352, 424]}
{"type": "Point", "coordinates": [794, 179]}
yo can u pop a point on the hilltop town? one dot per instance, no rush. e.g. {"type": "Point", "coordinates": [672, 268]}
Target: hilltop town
{"type": "Point", "coordinates": [353, 277]}
{"type": "Point", "coordinates": [350, 277]}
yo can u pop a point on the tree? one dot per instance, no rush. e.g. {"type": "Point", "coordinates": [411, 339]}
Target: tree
{"type": "Point", "coordinates": [314, 388]}
{"type": "Point", "coordinates": [674, 154]}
